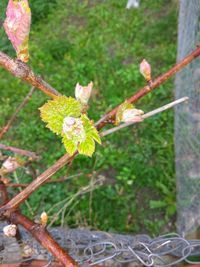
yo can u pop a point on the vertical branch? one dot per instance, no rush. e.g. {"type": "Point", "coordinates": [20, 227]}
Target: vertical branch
{"type": "Point", "coordinates": [13, 117]}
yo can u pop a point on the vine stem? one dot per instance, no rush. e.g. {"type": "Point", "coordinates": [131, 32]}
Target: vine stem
{"type": "Point", "coordinates": [22, 71]}
{"type": "Point", "coordinates": [14, 115]}
{"type": "Point", "coordinates": [146, 115]}
{"type": "Point", "coordinates": [39, 232]}
{"type": "Point", "coordinates": [22, 196]}
{"type": "Point", "coordinates": [20, 151]}
{"type": "Point", "coordinates": [150, 87]}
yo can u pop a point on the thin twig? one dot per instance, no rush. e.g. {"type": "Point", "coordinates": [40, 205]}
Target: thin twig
{"type": "Point", "coordinates": [145, 116]}
{"type": "Point", "coordinates": [22, 71]}
{"type": "Point", "coordinates": [60, 180]}
{"type": "Point", "coordinates": [13, 117]}
{"type": "Point", "coordinates": [20, 151]}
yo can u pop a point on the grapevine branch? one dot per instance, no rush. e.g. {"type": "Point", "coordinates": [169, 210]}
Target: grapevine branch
{"type": "Point", "coordinates": [150, 87]}
{"type": "Point", "coordinates": [39, 232]}
{"type": "Point", "coordinates": [8, 211]}
{"type": "Point", "coordinates": [20, 151]}
{"type": "Point", "coordinates": [13, 117]}
{"type": "Point", "coordinates": [22, 196]}
{"type": "Point", "coordinates": [22, 71]}
{"type": "Point", "coordinates": [145, 116]}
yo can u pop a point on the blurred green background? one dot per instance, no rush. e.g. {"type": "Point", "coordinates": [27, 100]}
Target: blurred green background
{"type": "Point", "coordinates": [99, 40]}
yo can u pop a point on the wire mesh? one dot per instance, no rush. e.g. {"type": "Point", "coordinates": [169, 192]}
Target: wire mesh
{"type": "Point", "coordinates": [89, 248]}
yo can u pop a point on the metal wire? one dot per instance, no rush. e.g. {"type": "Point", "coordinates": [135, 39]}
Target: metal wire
{"type": "Point", "coordinates": [89, 248]}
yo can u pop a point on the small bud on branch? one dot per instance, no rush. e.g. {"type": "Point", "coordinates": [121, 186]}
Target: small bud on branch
{"type": "Point", "coordinates": [17, 27]}
{"type": "Point", "coordinates": [145, 70]}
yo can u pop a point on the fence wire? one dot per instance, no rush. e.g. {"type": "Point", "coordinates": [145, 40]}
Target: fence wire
{"type": "Point", "coordinates": [187, 122]}
{"type": "Point", "coordinates": [89, 248]}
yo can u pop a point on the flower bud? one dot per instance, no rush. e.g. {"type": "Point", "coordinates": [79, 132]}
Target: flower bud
{"type": "Point", "coordinates": [83, 93]}
{"type": "Point", "coordinates": [132, 115]}
{"type": "Point", "coordinates": [145, 70]}
{"type": "Point", "coordinates": [10, 230]}
{"type": "Point", "coordinates": [43, 218]}
{"type": "Point", "coordinates": [73, 128]}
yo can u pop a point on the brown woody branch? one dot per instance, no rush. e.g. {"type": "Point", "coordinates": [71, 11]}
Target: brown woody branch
{"type": "Point", "coordinates": [153, 85]}
{"type": "Point", "coordinates": [13, 117]}
{"type": "Point", "coordinates": [22, 196]}
{"type": "Point", "coordinates": [31, 263]}
{"type": "Point", "coordinates": [20, 151]}
{"type": "Point", "coordinates": [41, 179]}
{"type": "Point", "coordinates": [38, 231]}
{"type": "Point", "coordinates": [22, 71]}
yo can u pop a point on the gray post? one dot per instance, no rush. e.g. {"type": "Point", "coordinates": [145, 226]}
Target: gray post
{"type": "Point", "coordinates": [187, 122]}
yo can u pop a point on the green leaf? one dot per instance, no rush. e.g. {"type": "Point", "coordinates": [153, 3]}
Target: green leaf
{"type": "Point", "coordinates": [70, 145]}
{"type": "Point", "coordinates": [87, 147]}
{"type": "Point", "coordinates": [54, 111]}
{"type": "Point", "coordinates": [90, 129]}
{"type": "Point", "coordinates": [120, 111]}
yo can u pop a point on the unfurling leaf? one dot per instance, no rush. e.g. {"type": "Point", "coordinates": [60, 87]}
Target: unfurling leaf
{"type": "Point", "coordinates": [121, 110]}
{"type": "Point", "coordinates": [132, 115]}
{"type": "Point", "coordinates": [17, 26]}
{"type": "Point", "coordinates": [145, 70]}
{"type": "Point", "coordinates": [63, 117]}
{"type": "Point", "coordinates": [55, 111]}
{"type": "Point", "coordinates": [83, 93]}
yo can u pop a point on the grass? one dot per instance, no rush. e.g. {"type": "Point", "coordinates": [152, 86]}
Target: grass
{"type": "Point", "coordinates": [81, 41]}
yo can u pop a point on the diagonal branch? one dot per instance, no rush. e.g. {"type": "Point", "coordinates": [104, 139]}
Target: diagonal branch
{"type": "Point", "coordinates": [21, 197]}
{"type": "Point", "coordinates": [153, 85]}
{"type": "Point", "coordinates": [22, 71]}
{"type": "Point", "coordinates": [38, 231]}
{"type": "Point", "coordinates": [13, 117]}
{"type": "Point", "coordinates": [145, 116]}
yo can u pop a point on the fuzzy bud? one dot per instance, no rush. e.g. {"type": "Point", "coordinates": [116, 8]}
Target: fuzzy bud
{"type": "Point", "coordinates": [11, 164]}
{"type": "Point", "coordinates": [43, 218]}
{"type": "Point", "coordinates": [10, 230]}
{"type": "Point", "coordinates": [83, 93]}
{"type": "Point", "coordinates": [17, 26]}
{"type": "Point", "coordinates": [132, 115]}
{"type": "Point", "coordinates": [73, 128]}
{"type": "Point", "coordinates": [145, 70]}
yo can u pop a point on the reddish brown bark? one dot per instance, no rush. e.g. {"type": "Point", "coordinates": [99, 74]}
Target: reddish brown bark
{"type": "Point", "coordinates": [20, 151]}
{"type": "Point", "coordinates": [154, 84]}
{"type": "Point", "coordinates": [43, 237]}
{"type": "Point", "coordinates": [22, 71]}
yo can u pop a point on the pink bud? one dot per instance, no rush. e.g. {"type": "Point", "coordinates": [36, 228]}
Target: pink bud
{"type": "Point", "coordinates": [11, 164]}
{"type": "Point", "coordinates": [145, 70]}
{"type": "Point", "coordinates": [10, 230]}
{"type": "Point", "coordinates": [17, 26]}
{"type": "Point", "coordinates": [83, 93]}
{"type": "Point", "coordinates": [132, 115]}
